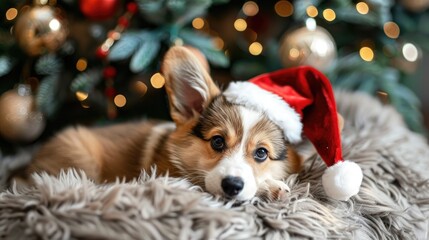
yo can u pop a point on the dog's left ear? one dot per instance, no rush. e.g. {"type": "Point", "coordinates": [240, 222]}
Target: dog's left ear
{"type": "Point", "coordinates": [189, 87]}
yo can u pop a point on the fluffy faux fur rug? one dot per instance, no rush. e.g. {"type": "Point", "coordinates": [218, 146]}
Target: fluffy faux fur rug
{"type": "Point", "coordinates": [393, 202]}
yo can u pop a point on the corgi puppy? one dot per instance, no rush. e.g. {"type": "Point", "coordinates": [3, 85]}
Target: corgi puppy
{"type": "Point", "coordinates": [228, 149]}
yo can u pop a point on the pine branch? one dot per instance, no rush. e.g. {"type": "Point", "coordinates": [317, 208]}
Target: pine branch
{"type": "Point", "coordinates": [48, 64]}
{"type": "Point", "coordinates": [47, 97]}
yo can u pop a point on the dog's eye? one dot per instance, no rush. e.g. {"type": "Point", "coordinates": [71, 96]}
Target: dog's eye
{"type": "Point", "coordinates": [261, 154]}
{"type": "Point", "coordinates": [218, 143]}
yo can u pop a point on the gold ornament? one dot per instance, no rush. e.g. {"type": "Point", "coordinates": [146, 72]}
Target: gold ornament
{"type": "Point", "coordinates": [40, 29]}
{"type": "Point", "coordinates": [19, 120]}
{"type": "Point", "coordinates": [415, 5]}
{"type": "Point", "coordinates": [308, 47]}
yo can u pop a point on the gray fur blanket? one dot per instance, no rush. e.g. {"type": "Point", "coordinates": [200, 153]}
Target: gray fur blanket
{"type": "Point", "coordinates": [393, 202]}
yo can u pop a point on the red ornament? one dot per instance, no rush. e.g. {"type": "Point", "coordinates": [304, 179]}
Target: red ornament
{"type": "Point", "coordinates": [109, 72]}
{"type": "Point", "coordinates": [98, 9]}
{"type": "Point", "coordinates": [101, 54]}
{"type": "Point", "coordinates": [110, 92]}
{"type": "Point", "coordinates": [132, 7]}
{"type": "Point", "coordinates": [123, 22]}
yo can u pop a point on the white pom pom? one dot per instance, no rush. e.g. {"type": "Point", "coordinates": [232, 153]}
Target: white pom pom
{"type": "Point", "coordinates": [342, 180]}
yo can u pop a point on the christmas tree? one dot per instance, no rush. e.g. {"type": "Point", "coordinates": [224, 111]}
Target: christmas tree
{"type": "Point", "coordinates": [95, 62]}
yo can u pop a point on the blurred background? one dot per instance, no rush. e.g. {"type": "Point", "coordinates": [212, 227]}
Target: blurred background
{"type": "Point", "coordinates": [97, 62]}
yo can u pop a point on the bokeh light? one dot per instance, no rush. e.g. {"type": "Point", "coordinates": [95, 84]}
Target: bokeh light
{"type": "Point", "coordinates": [329, 15]}
{"type": "Point", "coordinates": [391, 30]}
{"type": "Point", "coordinates": [410, 52]}
{"type": "Point", "coordinates": [198, 23]}
{"type": "Point", "coordinates": [120, 100]}
{"type": "Point", "coordinates": [140, 87]}
{"type": "Point", "coordinates": [255, 48]}
{"type": "Point", "coordinates": [81, 96]}
{"type": "Point", "coordinates": [283, 8]}
{"type": "Point", "coordinates": [11, 14]}
{"type": "Point", "coordinates": [312, 11]}
{"type": "Point", "coordinates": [157, 80]}
{"type": "Point", "coordinates": [240, 24]}
{"type": "Point", "coordinates": [366, 54]}
{"type": "Point", "coordinates": [250, 8]}
{"type": "Point", "coordinates": [218, 43]}
{"type": "Point", "coordinates": [362, 8]}
{"type": "Point", "coordinates": [81, 64]}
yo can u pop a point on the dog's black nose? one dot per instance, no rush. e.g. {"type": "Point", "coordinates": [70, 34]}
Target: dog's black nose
{"type": "Point", "coordinates": [232, 185]}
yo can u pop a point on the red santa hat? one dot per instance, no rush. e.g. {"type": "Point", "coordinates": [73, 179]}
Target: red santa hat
{"type": "Point", "coordinates": [301, 100]}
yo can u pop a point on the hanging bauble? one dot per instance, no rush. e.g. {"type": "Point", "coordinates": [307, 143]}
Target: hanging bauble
{"type": "Point", "coordinates": [40, 29]}
{"type": "Point", "coordinates": [19, 119]}
{"type": "Point", "coordinates": [200, 56]}
{"type": "Point", "coordinates": [305, 46]}
{"type": "Point", "coordinates": [415, 5]}
{"type": "Point", "coordinates": [98, 9]}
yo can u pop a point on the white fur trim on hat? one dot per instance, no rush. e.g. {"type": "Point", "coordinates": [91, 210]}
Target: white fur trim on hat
{"type": "Point", "coordinates": [276, 109]}
{"type": "Point", "coordinates": [342, 180]}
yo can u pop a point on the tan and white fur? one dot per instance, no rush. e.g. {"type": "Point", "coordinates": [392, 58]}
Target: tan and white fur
{"type": "Point", "coordinates": [228, 149]}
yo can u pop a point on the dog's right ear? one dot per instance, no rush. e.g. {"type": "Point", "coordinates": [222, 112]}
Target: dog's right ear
{"type": "Point", "coordinates": [189, 87]}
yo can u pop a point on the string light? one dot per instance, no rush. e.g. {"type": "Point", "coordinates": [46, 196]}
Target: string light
{"type": "Point", "coordinates": [310, 24]}
{"type": "Point", "coordinates": [362, 8]}
{"type": "Point", "coordinates": [383, 96]}
{"type": "Point", "coordinates": [140, 87]}
{"type": "Point", "coordinates": [410, 52]}
{"type": "Point", "coordinates": [283, 8]}
{"type": "Point", "coordinates": [255, 48]}
{"type": "Point", "coordinates": [81, 96]}
{"type": "Point", "coordinates": [178, 42]}
{"type": "Point", "coordinates": [218, 43]}
{"type": "Point", "coordinates": [81, 64]}
{"type": "Point", "coordinates": [115, 35]}
{"type": "Point", "coordinates": [329, 15]}
{"type": "Point", "coordinates": [120, 100]}
{"type": "Point", "coordinates": [84, 105]}
{"type": "Point", "coordinates": [198, 23]}
{"type": "Point", "coordinates": [312, 11]}
{"type": "Point", "coordinates": [240, 24]}
{"type": "Point", "coordinates": [251, 35]}
{"type": "Point", "coordinates": [250, 8]}
{"type": "Point", "coordinates": [11, 14]}
{"type": "Point", "coordinates": [391, 30]}
{"type": "Point", "coordinates": [293, 54]}
{"type": "Point", "coordinates": [54, 24]}
{"type": "Point", "coordinates": [123, 22]}
{"type": "Point", "coordinates": [366, 54]}
{"type": "Point", "coordinates": [157, 80]}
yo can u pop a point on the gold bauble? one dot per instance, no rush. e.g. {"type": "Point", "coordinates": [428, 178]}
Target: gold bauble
{"type": "Point", "coordinates": [40, 29]}
{"type": "Point", "coordinates": [304, 46]}
{"type": "Point", "coordinates": [19, 119]}
{"type": "Point", "coordinates": [415, 5]}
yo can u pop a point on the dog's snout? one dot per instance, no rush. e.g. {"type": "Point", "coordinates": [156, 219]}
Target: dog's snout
{"type": "Point", "coordinates": [232, 186]}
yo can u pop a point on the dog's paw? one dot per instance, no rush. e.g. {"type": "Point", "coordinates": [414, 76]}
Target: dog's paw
{"type": "Point", "coordinates": [274, 190]}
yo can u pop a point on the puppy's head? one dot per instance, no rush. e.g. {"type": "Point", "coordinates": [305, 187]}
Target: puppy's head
{"type": "Point", "coordinates": [227, 148]}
